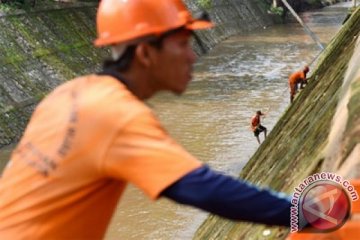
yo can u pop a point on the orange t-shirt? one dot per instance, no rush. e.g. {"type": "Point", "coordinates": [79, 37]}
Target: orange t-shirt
{"type": "Point", "coordinates": [294, 79]}
{"type": "Point", "coordinates": [255, 121]}
{"type": "Point", "coordinates": [84, 143]}
{"type": "Point", "coordinates": [297, 77]}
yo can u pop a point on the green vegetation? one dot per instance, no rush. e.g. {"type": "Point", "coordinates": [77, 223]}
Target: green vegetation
{"type": "Point", "coordinates": [9, 6]}
{"type": "Point", "coordinates": [277, 10]}
{"type": "Point", "coordinates": [205, 4]}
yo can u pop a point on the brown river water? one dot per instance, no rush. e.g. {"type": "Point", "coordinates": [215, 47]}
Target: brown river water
{"type": "Point", "coordinates": [241, 75]}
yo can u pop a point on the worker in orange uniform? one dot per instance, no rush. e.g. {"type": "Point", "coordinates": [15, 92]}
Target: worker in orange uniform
{"type": "Point", "coordinates": [295, 79]}
{"type": "Point", "coordinates": [256, 126]}
{"type": "Point", "coordinates": [92, 135]}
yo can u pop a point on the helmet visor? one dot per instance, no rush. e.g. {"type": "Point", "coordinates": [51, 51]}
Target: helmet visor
{"type": "Point", "coordinates": [200, 21]}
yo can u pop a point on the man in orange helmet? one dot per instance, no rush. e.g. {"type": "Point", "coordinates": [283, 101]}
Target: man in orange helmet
{"type": "Point", "coordinates": [296, 78]}
{"type": "Point", "coordinates": [93, 135]}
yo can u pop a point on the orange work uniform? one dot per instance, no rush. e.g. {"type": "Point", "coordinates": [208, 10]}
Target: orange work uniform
{"type": "Point", "coordinates": [255, 122]}
{"type": "Point", "coordinates": [84, 143]}
{"type": "Point", "coordinates": [294, 79]}
{"type": "Point", "coordinates": [256, 126]}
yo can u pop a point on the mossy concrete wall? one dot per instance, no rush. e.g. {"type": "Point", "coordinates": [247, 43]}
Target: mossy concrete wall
{"type": "Point", "coordinates": [296, 145]}
{"type": "Point", "coordinates": [43, 47]}
{"type": "Point", "coordinates": [39, 50]}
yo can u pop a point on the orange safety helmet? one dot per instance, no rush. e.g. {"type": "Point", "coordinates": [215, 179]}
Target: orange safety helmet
{"type": "Point", "coordinates": [121, 21]}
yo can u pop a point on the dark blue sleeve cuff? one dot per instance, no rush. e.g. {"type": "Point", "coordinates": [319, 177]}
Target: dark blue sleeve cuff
{"type": "Point", "coordinates": [230, 198]}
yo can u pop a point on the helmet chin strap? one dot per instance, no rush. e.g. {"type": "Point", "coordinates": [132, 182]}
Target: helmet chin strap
{"type": "Point", "coordinates": [117, 51]}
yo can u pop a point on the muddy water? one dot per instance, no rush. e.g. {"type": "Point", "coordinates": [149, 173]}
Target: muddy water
{"type": "Point", "coordinates": [240, 76]}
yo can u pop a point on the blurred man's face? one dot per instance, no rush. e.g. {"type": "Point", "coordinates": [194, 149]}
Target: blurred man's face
{"type": "Point", "coordinates": [174, 63]}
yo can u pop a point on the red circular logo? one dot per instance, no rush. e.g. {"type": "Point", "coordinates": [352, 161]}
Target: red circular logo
{"type": "Point", "coordinates": [325, 206]}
